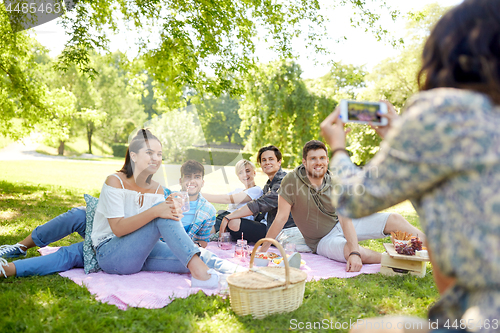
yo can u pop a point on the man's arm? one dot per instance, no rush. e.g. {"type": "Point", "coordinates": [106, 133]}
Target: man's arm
{"type": "Point", "coordinates": [239, 213]}
{"type": "Point", "coordinates": [354, 262]}
{"type": "Point", "coordinates": [284, 209]}
{"type": "Point", "coordinates": [266, 202]}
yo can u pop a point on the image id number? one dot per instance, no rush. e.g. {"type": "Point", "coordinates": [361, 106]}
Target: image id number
{"type": "Point", "coordinates": [33, 8]}
{"type": "Point", "coordinates": [471, 324]}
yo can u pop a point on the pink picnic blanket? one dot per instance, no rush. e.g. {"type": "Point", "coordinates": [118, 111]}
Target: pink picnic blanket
{"type": "Point", "coordinates": [155, 290]}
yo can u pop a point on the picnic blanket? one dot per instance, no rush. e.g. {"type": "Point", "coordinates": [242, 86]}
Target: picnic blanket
{"type": "Point", "coordinates": [155, 290]}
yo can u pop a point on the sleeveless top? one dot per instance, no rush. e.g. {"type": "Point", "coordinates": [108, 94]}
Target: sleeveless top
{"type": "Point", "coordinates": [119, 202]}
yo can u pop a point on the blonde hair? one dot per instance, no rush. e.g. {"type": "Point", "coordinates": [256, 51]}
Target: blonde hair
{"type": "Point", "coordinates": [242, 164]}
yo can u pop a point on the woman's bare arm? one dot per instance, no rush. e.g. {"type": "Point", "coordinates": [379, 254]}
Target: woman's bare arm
{"type": "Point", "coordinates": [237, 198]}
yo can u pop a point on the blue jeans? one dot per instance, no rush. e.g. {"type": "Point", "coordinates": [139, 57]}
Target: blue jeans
{"type": "Point", "coordinates": [74, 220]}
{"type": "Point", "coordinates": [66, 257]}
{"type": "Point", "coordinates": [142, 250]}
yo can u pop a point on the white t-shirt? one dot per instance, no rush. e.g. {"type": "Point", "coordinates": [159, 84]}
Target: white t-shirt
{"type": "Point", "coordinates": [118, 202]}
{"type": "Point", "coordinates": [253, 192]}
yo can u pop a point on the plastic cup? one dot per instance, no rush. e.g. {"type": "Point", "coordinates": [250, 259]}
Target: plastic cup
{"type": "Point", "coordinates": [290, 248]}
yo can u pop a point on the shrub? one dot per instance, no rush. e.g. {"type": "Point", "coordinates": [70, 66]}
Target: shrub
{"type": "Point", "coordinates": [216, 157]}
{"type": "Point", "coordinates": [119, 150]}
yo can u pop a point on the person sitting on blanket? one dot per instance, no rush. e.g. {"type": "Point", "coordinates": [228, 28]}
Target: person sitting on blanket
{"type": "Point", "coordinates": [263, 209]}
{"type": "Point", "coordinates": [74, 220]}
{"type": "Point", "coordinates": [72, 256]}
{"type": "Point", "coordinates": [306, 193]}
{"type": "Point", "coordinates": [245, 170]}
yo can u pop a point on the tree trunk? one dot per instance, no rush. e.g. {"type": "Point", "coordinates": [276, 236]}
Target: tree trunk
{"type": "Point", "coordinates": [60, 150]}
{"type": "Point", "coordinates": [90, 131]}
{"type": "Point", "coordinates": [229, 137]}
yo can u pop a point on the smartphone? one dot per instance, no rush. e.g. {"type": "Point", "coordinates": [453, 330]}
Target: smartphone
{"type": "Point", "coordinates": [363, 112]}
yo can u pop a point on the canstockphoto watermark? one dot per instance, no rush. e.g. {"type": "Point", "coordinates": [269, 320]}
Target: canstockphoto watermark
{"type": "Point", "coordinates": [25, 14]}
{"type": "Point", "coordinates": [327, 324]}
{"type": "Point", "coordinates": [291, 190]}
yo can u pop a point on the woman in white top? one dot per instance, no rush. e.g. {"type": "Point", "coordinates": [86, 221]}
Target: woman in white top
{"type": "Point", "coordinates": [245, 170]}
{"type": "Point", "coordinates": [132, 215]}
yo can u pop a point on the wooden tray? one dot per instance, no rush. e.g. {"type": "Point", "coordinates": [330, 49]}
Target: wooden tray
{"type": "Point", "coordinates": [393, 254]}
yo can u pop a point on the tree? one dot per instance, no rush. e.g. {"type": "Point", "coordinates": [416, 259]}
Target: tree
{"type": "Point", "coordinates": [63, 103]}
{"type": "Point", "coordinates": [193, 36]}
{"type": "Point", "coordinates": [119, 89]}
{"type": "Point", "coordinates": [394, 79]}
{"type": "Point", "coordinates": [92, 119]}
{"type": "Point", "coordinates": [219, 119]}
{"type": "Point", "coordinates": [20, 95]}
{"type": "Point", "coordinates": [107, 106]}
{"type": "Point", "coordinates": [278, 109]}
{"type": "Point", "coordinates": [196, 34]}
{"type": "Point", "coordinates": [341, 81]}
{"type": "Point", "coordinates": [178, 130]}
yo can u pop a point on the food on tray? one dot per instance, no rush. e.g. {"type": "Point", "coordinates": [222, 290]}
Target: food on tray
{"type": "Point", "coordinates": [416, 243]}
{"type": "Point", "coordinates": [401, 235]}
{"type": "Point", "coordinates": [422, 253]}
{"type": "Point", "coordinates": [405, 249]}
{"type": "Point", "coordinates": [279, 260]}
{"type": "Point", "coordinates": [269, 255]}
{"type": "Point", "coordinates": [409, 249]}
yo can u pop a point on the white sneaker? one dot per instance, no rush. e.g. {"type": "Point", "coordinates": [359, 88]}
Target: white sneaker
{"type": "Point", "coordinates": [12, 251]}
{"type": "Point", "coordinates": [212, 283]}
{"type": "Point", "coordinates": [3, 262]}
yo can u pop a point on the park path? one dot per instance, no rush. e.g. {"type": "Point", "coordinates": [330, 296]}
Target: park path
{"type": "Point", "coordinates": [25, 149]}
{"type": "Point", "coordinates": [216, 179]}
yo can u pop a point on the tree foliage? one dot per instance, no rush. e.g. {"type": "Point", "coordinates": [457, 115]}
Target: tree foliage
{"type": "Point", "coordinates": [178, 130]}
{"type": "Point", "coordinates": [278, 109]}
{"type": "Point", "coordinates": [21, 96]}
{"type": "Point", "coordinates": [341, 81]}
{"type": "Point", "coordinates": [62, 102]}
{"type": "Point", "coordinates": [394, 79]}
{"type": "Point", "coordinates": [197, 35]}
{"type": "Point", "coordinates": [204, 45]}
{"type": "Point", "coordinates": [220, 119]}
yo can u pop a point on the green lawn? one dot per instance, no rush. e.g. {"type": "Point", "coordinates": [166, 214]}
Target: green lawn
{"type": "Point", "coordinates": [33, 192]}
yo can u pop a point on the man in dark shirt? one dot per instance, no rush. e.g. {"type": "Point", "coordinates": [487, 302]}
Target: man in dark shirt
{"type": "Point", "coordinates": [264, 208]}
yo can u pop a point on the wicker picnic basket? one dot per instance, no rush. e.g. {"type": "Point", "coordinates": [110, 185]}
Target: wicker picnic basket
{"type": "Point", "coordinates": [266, 290]}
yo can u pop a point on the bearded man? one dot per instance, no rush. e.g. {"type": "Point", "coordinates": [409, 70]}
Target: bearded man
{"type": "Point", "coordinates": [306, 193]}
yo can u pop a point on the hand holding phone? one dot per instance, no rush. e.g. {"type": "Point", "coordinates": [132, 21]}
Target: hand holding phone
{"type": "Point", "coordinates": [363, 112]}
{"type": "Point", "coordinates": [391, 117]}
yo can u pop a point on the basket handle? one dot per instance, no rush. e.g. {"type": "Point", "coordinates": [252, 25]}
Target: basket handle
{"type": "Point", "coordinates": [283, 254]}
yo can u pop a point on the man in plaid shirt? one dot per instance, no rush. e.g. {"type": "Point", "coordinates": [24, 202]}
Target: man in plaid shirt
{"type": "Point", "coordinates": [200, 218]}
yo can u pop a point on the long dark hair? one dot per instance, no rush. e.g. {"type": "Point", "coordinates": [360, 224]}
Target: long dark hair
{"type": "Point", "coordinates": [142, 138]}
{"type": "Point", "coordinates": [463, 50]}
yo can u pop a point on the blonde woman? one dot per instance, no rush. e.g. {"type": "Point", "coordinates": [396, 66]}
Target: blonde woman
{"type": "Point", "coordinates": [246, 171]}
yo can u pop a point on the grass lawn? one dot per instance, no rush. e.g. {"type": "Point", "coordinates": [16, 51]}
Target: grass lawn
{"type": "Point", "coordinates": [33, 192]}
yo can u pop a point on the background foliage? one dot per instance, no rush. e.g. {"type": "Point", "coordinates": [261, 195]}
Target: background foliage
{"type": "Point", "coordinates": [104, 97]}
